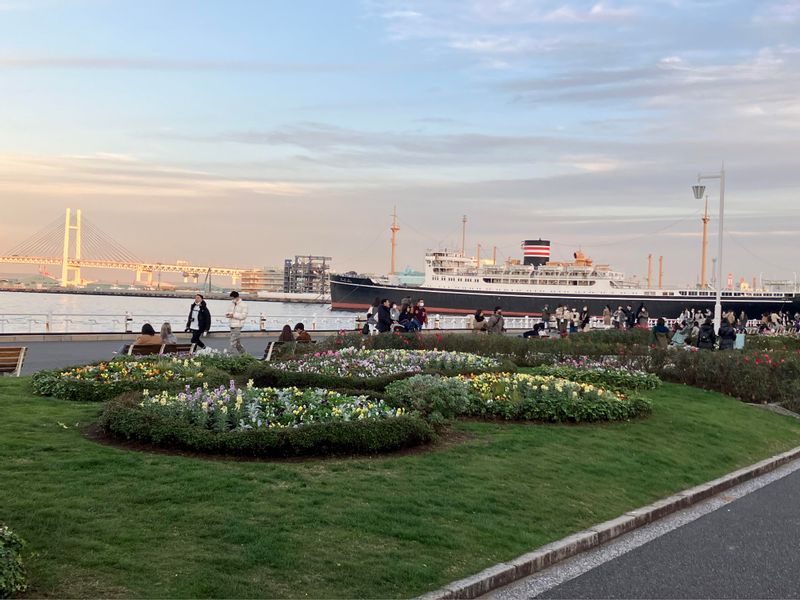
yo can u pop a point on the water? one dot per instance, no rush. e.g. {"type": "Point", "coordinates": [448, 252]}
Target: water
{"type": "Point", "coordinates": [25, 312]}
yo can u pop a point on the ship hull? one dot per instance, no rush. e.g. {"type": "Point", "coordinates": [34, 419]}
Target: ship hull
{"type": "Point", "coordinates": [358, 294]}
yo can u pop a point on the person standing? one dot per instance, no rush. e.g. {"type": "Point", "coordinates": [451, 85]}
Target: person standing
{"type": "Point", "coordinates": [496, 323]}
{"type": "Point", "coordinates": [478, 322]}
{"type": "Point", "coordinates": [585, 318]}
{"type": "Point", "coordinates": [199, 321]}
{"type": "Point", "coordinates": [236, 317]}
{"type": "Point", "coordinates": [420, 314]}
{"type": "Point", "coordinates": [607, 316]}
{"type": "Point", "coordinates": [546, 316]}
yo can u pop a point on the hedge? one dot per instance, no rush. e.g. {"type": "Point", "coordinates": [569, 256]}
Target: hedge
{"type": "Point", "coordinates": [122, 418]}
{"type": "Point", "coordinates": [13, 579]}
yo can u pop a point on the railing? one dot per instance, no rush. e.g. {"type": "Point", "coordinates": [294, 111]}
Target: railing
{"type": "Point", "coordinates": [38, 323]}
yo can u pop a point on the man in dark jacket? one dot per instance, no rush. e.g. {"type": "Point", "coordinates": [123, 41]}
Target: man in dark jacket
{"type": "Point", "coordinates": [199, 321]}
{"type": "Point", "coordinates": [384, 317]}
{"type": "Point", "coordinates": [706, 337]}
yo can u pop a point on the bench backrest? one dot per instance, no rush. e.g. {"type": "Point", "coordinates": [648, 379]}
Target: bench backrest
{"type": "Point", "coordinates": [144, 349]}
{"type": "Point", "coordinates": [177, 349]}
{"type": "Point", "coordinates": [11, 359]}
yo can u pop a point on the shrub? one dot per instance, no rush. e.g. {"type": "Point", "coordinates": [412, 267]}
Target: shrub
{"type": "Point", "coordinates": [523, 352]}
{"type": "Point", "coordinates": [752, 376]}
{"type": "Point", "coordinates": [12, 571]}
{"type": "Point", "coordinates": [432, 397]}
{"type": "Point", "coordinates": [124, 418]}
{"type": "Point", "coordinates": [600, 376]}
{"type": "Point", "coordinates": [234, 364]}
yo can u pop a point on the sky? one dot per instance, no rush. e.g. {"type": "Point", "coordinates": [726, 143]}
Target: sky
{"type": "Point", "coordinates": [239, 133]}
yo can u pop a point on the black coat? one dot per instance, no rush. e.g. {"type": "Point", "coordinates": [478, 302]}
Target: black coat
{"type": "Point", "coordinates": [203, 317]}
{"type": "Point", "coordinates": [384, 319]}
{"type": "Point", "coordinates": [727, 336]}
{"type": "Point", "coordinates": [706, 337]}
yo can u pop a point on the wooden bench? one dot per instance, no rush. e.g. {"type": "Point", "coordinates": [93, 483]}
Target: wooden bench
{"type": "Point", "coordinates": [177, 349]}
{"type": "Point", "coordinates": [150, 349]}
{"type": "Point", "coordinates": [11, 359]}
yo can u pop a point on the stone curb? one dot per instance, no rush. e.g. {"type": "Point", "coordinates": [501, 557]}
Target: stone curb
{"type": "Point", "coordinates": [504, 573]}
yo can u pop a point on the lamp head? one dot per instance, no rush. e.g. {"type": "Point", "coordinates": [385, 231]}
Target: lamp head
{"type": "Point", "coordinates": [698, 191]}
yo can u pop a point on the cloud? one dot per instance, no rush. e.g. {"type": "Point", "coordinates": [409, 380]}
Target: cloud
{"type": "Point", "coordinates": [778, 13]}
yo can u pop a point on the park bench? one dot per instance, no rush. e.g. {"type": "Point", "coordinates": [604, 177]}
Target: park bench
{"type": "Point", "coordinates": [270, 349]}
{"type": "Point", "coordinates": [150, 349]}
{"type": "Point", "coordinates": [11, 359]}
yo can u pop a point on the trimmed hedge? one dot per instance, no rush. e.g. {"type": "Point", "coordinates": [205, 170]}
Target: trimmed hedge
{"type": "Point", "coordinates": [13, 579]}
{"type": "Point", "coordinates": [123, 419]}
{"type": "Point", "coordinates": [263, 375]}
{"type": "Point", "coordinates": [523, 352]}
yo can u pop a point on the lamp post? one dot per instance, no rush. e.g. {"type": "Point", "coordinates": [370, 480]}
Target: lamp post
{"type": "Point", "coordinates": [698, 191]}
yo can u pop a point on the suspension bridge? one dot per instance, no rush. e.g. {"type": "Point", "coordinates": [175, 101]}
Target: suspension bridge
{"type": "Point", "coordinates": [75, 243]}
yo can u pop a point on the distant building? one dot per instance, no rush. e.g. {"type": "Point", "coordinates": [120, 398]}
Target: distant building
{"type": "Point", "coordinates": [262, 280]}
{"type": "Point", "coordinates": [306, 275]}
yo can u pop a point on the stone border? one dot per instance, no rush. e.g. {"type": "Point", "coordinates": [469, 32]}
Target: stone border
{"type": "Point", "coordinates": [505, 573]}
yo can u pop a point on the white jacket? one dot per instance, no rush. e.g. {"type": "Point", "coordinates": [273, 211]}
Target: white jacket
{"type": "Point", "coordinates": [239, 311]}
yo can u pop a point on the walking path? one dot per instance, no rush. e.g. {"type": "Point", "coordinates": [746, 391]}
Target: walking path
{"type": "Point", "coordinates": [740, 544]}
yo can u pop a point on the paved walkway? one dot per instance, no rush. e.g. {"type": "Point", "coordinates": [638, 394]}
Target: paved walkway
{"type": "Point", "coordinates": [56, 355]}
{"type": "Point", "coordinates": [741, 544]}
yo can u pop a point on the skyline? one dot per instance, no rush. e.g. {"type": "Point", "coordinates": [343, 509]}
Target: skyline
{"type": "Point", "coordinates": [246, 132]}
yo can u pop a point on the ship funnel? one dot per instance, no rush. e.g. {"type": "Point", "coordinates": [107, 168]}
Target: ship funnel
{"type": "Point", "coordinates": [535, 252]}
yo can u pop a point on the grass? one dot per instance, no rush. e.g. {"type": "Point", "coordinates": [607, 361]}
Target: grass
{"type": "Point", "coordinates": [103, 521]}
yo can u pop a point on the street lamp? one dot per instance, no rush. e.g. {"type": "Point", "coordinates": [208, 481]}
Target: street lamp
{"type": "Point", "coordinates": [698, 191]}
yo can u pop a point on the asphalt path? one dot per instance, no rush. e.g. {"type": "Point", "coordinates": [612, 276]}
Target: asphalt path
{"type": "Point", "coordinates": [57, 355]}
{"type": "Point", "coordinates": [746, 544]}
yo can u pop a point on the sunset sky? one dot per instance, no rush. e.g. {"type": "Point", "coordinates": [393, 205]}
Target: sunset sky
{"type": "Point", "coordinates": [242, 132]}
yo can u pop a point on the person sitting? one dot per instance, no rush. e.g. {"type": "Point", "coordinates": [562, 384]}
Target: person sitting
{"type": "Point", "coordinates": [660, 334]}
{"type": "Point", "coordinates": [286, 334]}
{"type": "Point", "coordinates": [478, 322]}
{"type": "Point", "coordinates": [148, 337]}
{"type": "Point", "coordinates": [302, 334]}
{"type": "Point", "coordinates": [406, 319]}
{"type": "Point", "coordinates": [167, 337]}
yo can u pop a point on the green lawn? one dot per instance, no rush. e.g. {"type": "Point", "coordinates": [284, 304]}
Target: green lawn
{"type": "Point", "coordinates": [109, 522]}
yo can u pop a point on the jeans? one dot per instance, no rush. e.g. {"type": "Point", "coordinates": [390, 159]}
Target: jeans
{"type": "Point", "coordinates": [196, 333]}
{"type": "Point", "coordinates": [236, 340]}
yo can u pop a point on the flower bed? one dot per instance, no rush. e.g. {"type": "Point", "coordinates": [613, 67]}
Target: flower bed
{"type": "Point", "coordinates": [359, 362]}
{"type": "Point", "coordinates": [599, 373]}
{"type": "Point", "coordinates": [254, 421]}
{"type": "Point", "coordinates": [240, 408]}
{"type": "Point", "coordinates": [104, 380]}
{"type": "Point", "coordinates": [515, 396]}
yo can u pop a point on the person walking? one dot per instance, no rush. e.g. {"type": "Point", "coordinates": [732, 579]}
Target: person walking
{"type": "Point", "coordinates": [199, 321]}
{"type": "Point", "coordinates": [496, 323]}
{"type": "Point", "coordinates": [236, 318]}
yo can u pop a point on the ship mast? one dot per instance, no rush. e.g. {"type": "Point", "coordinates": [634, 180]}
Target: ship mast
{"type": "Point", "coordinates": [706, 219]}
{"type": "Point", "coordinates": [394, 229]}
{"type": "Point", "coordinates": [463, 235]}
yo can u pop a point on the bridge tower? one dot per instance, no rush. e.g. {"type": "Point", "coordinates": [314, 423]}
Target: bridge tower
{"type": "Point", "coordinates": [66, 268]}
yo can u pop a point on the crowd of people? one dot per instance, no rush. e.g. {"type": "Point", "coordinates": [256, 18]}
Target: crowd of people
{"type": "Point", "coordinates": [691, 328]}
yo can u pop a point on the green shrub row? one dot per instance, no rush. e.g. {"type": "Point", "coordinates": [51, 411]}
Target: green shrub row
{"type": "Point", "coordinates": [13, 579]}
{"type": "Point", "coordinates": [751, 376]}
{"type": "Point", "coordinates": [523, 352]}
{"type": "Point", "coordinates": [122, 418]}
